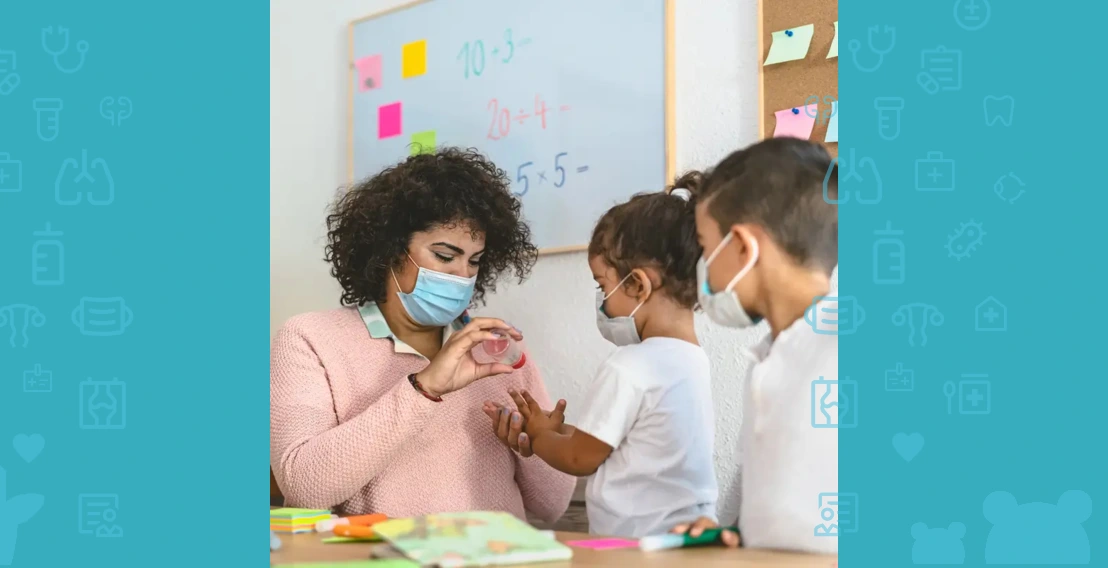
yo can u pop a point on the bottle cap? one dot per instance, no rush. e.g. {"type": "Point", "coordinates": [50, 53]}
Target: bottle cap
{"type": "Point", "coordinates": [522, 361]}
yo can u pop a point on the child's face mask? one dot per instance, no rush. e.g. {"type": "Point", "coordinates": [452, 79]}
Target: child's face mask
{"type": "Point", "coordinates": [618, 330]}
{"type": "Point", "coordinates": [723, 307]}
{"type": "Point", "coordinates": [438, 298]}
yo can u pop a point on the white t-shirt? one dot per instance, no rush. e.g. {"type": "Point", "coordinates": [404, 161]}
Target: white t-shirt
{"type": "Point", "coordinates": [652, 403]}
{"type": "Point", "coordinates": [789, 465]}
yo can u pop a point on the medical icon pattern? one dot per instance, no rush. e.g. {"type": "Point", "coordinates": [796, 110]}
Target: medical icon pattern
{"type": "Point", "coordinates": [889, 256]}
{"type": "Point", "coordinates": [917, 317]}
{"type": "Point", "coordinates": [55, 42]}
{"type": "Point", "coordinates": [990, 315]}
{"type": "Point", "coordinates": [900, 379]}
{"type": "Point", "coordinates": [965, 240]}
{"type": "Point", "coordinates": [838, 514]}
{"type": "Point", "coordinates": [858, 181]}
{"type": "Point", "coordinates": [38, 380]}
{"type": "Point", "coordinates": [834, 403]}
{"type": "Point", "coordinates": [9, 77]}
{"type": "Point", "coordinates": [84, 182]}
{"type": "Point", "coordinates": [11, 174]}
{"type": "Point", "coordinates": [103, 404]}
{"type": "Point", "coordinates": [939, 545]}
{"type": "Point", "coordinates": [880, 42]}
{"type": "Point", "coordinates": [115, 110]}
{"type": "Point", "coordinates": [97, 515]}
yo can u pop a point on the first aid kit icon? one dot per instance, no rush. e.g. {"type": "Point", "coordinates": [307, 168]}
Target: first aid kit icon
{"type": "Point", "coordinates": [934, 173]}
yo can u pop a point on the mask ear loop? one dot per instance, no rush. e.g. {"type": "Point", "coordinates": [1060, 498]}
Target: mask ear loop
{"type": "Point", "coordinates": [749, 265]}
{"type": "Point", "coordinates": [400, 290]}
{"type": "Point", "coordinates": [617, 288]}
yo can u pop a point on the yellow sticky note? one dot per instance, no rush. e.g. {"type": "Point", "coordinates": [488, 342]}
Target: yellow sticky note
{"type": "Point", "coordinates": [413, 59]}
{"type": "Point", "coordinates": [423, 142]}
{"type": "Point", "coordinates": [790, 44]}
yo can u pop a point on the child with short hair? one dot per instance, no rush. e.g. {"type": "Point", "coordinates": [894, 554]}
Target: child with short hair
{"type": "Point", "coordinates": [770, 239]}
{"type": "Point", "coordinates": [646, 431]}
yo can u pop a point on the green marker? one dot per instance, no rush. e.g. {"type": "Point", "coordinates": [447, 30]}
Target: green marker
{"type": "Point", "coordinates": [667, 541]}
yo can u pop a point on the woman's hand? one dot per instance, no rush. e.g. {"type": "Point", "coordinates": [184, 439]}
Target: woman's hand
{"type": "Point", "coordinates": [696, 528]}
{"type": "Point", "coordinates": [535, 420]}
{"type": "Point", "coordinates": [455, 368]}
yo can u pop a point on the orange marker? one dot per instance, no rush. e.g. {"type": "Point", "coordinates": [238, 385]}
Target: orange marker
{"type": "Point", "coordinates": [366, 520]}
{"type": "Point", "coordinates": [355, 531]}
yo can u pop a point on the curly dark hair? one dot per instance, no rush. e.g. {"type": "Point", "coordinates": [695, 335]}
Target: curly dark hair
{"type": "Point", "coordinates": [371, 225]}
{"type": "Point", "coordinates": [655, 230]}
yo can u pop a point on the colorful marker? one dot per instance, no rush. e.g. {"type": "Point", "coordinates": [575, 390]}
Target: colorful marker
{"type": "Point", "coordinates": [668, 541]}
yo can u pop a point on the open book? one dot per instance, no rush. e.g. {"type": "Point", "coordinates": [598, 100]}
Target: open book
{"type": "Point", "coordinates": [470, 539]}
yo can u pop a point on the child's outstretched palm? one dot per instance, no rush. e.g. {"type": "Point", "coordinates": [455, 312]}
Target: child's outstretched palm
{"type": "Point", "coordinates": [535, 419]}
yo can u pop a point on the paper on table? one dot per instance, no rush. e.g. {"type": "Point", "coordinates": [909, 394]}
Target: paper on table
{"type": "Point", "coordinates": [787, 47]}
{"type": "Point", "coordinates": [834, 51]}
{"type": "Point", "coordinates": [833, 124]}
{"type": "Point", "coordinates": [343, 539]}
{"type": "Point", "coordinates": [604, 543]}
{"type": "Point", "coordinates": [798, 124]}
{"type": "Point", "coordinates": [375, 563]}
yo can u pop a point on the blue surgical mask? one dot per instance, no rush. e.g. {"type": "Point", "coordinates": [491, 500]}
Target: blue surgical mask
{"type": "Point", "coordinates": [723, 307]}
{"type": "Point", "coordinates": [437, 298]}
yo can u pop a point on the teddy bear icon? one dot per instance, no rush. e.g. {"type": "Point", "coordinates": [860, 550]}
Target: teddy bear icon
{"type": "Point", "coordinates": [1037, 533]}
{"type": "Point", "coordinates": [938, 545]}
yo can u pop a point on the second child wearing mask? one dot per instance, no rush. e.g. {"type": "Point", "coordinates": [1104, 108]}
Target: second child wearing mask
{"type": "Point", "coordinates": [645, 433]}
{"type": "Point", "coordinates": [770, 245]}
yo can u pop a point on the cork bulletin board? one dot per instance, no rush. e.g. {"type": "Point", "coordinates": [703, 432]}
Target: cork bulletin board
{"type": "Point", "coordinates": [791, 84]}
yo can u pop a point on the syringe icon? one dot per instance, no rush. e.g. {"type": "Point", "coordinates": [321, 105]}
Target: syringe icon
{"type": "Point", "coordinates": [48, 114]}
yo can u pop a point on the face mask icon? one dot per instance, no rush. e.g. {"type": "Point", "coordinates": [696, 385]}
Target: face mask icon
{"type": "Point", "coordinates": [102, 316]}
{"type": "Point", "coordinates": [834, 315]}
{"type": "Point", "coordinates": [917, 316]}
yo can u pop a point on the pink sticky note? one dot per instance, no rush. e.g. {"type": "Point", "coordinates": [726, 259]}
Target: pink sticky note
{"type": "Point", "coordinates": [604, 543]}
{"type": "Point", "coordinates": [369, 72]}
{"type": "Point", "coordinates": [388, 120]}
{"type": "Point", "coordinates": [798, 124]}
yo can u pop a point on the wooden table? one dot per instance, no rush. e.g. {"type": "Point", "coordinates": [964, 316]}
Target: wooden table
{"type": "Point", "coordinates": [310, 548]}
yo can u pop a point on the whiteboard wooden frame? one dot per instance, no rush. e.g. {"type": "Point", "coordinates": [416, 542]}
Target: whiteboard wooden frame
{"type": "Point", "coordinates": [670, 97]}
{"type": "Point", "coordinates": [761, 72]}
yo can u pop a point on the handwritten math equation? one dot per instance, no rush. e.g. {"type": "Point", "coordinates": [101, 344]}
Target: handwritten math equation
{"type": "Point", "coordinates": [474, 59]}
{"type": "Point", "coordinates": [557, 176]}
{"type": "Point", "coordinates": [502, 117]}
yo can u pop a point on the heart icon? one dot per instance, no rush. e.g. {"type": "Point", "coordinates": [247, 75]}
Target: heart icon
{"type": "Point", "coordinates": [908, 445]}
{"type": "Point", "coordinates": [28, 447]}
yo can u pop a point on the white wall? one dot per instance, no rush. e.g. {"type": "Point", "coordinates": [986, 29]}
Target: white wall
{"type": "Point", "coordinates": [717, 112]}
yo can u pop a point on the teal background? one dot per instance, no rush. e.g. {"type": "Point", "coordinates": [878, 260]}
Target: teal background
{"type": "Point", "coordinates": [1040, 257]}
{"type": "Point", "coordinates": [185, 244]}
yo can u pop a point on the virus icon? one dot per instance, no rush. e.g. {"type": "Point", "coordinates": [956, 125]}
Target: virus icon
{"type": "Point", "coordinates": [965, 240]}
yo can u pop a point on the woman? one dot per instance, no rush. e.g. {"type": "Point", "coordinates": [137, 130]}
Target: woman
{"type": "Point", "coordinates": [377, 406]}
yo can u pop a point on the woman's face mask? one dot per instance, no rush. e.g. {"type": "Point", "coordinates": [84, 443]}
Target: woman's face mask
{"type": "Point", "coordinates": [723, 307]}
{"type": "Point", "coordinates": [618, 330]}
{"type": "Point", "coordinates": [437, 298]}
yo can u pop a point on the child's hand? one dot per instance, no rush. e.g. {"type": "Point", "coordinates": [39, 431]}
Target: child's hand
{"type": "Point", "coordinates": [535, 419]}
{"type": "Point", "coordinates": [729, 538]}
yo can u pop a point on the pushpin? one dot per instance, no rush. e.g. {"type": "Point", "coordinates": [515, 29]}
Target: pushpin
{"type": "Point", "coordinates": [796, 111]}
{"type": "Point", "coordinates": [789, 33]}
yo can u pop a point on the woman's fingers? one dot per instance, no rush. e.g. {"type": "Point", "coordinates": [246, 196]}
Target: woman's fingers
{"type": "Point", "coordinates": [514, 430]}
{"type": "Point", "coordinates": [502, 425]}
{"type": "Point", "coordinates": [680, 529]}
{"type": "Point", "coordinates": [481, 371]}
{"type": "Point", "coordinates": [730, 538]}
{"type": "Point", "coordinates": [525, 446]}
{"type": "Point", "coordinates": [491, 324]}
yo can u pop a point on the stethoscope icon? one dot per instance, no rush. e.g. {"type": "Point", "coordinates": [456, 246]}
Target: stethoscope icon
{"type": "Point", "coordinates": [856, 45]}
{"type": "Point", "coordinates": [82, 48]}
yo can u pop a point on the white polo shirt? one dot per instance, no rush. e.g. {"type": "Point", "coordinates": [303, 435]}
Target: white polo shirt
{"type": "Point", "coordinates": [652, 403]}
{"type": "Point", "coordinates": [787, 462]}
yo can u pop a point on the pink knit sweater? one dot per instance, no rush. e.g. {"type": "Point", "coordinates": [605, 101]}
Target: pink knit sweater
{"type": "Point", "coordinates": [348, 431]}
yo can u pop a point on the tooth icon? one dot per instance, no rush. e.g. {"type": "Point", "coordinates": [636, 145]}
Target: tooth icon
{"type": "Point", "coordinates": [999, 109]}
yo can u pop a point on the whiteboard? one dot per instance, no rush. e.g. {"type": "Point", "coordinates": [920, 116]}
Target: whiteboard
{"type": "Point", "coordinates": [572, 98]}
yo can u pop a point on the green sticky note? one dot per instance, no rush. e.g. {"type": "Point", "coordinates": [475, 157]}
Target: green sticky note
{"type": "Point", "coordinates": [423, 142]}
{"type": "Point", "coordinates": [790, 44]}
{"type": "Point", "coordinates": [834, 51]}
{"type": "Point", "coordinates": [376, 563]}
{"type": "Point", "coordinates": [293, 513]}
